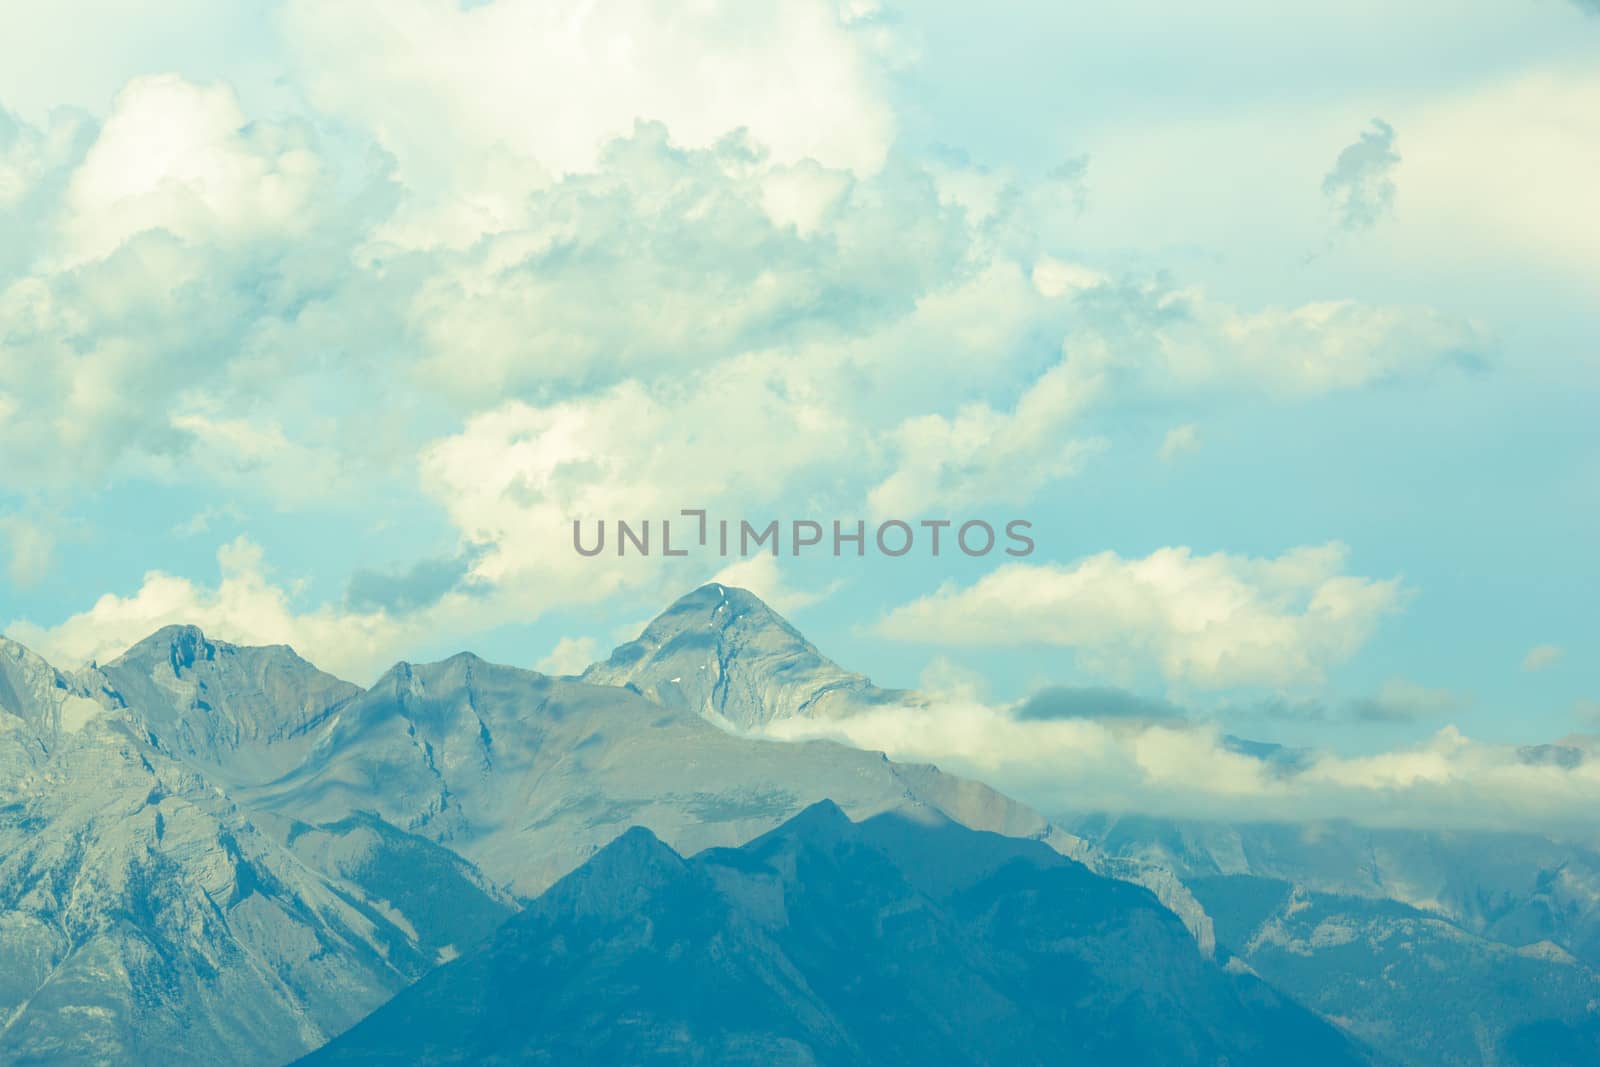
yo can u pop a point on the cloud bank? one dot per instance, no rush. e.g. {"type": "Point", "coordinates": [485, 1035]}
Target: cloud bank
{"type": "Point", "coordinates": [1110, 754]}
{"type": "Point", "coordinates": [1204, 622]}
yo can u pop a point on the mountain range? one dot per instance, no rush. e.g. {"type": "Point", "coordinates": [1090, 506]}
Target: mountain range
{"type": "Point", "coordinates": [1449, 947]}
{"type": "Point", "coordinates": [214, 853]}
{"type": "Point", "coordinates": [905, 938]}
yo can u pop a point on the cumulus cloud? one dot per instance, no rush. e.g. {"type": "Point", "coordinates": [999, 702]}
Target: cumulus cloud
{"type": "Point", "coordinates": [981, 455]}
{"type": "Point", "coordinates": [660, 297]}
{"type": "Point", "coordinates": [167, 248]}
{"type": "Point", "coordinates": [667, 258]}
{"type": "Point", "coordinates": [1165, 766]}
{"type": "Point", "coordinates": [35, 163]}
{"type": "Point", "coordinates": [803, 77]}
{"type": "Point", "coordinates": [1360, 188]}
{"type": "Point", "coordinates": [517, 477]}
{"type": "Point", "coordinates": [1056, 277]}
{"type": "Point", "coordinates": [183, 158]}
{"type": "Point", "coordinates": [259, 454]}
{"type": "Point", "coordinates": [748, 434]}
{"type": "Point", "coordinates": [1148, 336]}
{"type": "Point", "coordinates": [219, 262]}
{"type": "Point", "coordinates": [245, 607]}
{"type": "Point", "coordinates": [1153, 338]}
{"type": "Point", "coordinates": [1206, 622]}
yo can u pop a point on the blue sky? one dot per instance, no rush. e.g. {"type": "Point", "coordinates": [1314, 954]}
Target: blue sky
{"type": "Point", "coordinates": [319, 321]}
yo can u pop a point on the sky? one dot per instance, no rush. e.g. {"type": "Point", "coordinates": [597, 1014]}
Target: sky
{"type": "Point", "coordinates": [320, 322]}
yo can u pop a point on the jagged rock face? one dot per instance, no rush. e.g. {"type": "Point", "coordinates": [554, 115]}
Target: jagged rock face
{"type": "Point", "coordinates": [899, 940]}
{"type": "Point", "coordinates": [527, 776]}
{"type": "Point", "coordinates": [289, 916]}
{"type": "Point", "coordinates": [243, 715]}
{"type": "Point", "coordinates": [1515, 888]}
{"type": "Point", "coordinates": [722, 653]}
{"type": "Point", "coordinates": [38, 699]}
{"type": "Point", "coordinates": [144, 918]}
{"type": "Point", "coordinates": [1414, 986]}
{"type": "Point", "coordinates": [240, 769]}
{"type": "Point", "coordinates": [1471, 938]}
{"type": "Point", "coordinates": [225, 851]}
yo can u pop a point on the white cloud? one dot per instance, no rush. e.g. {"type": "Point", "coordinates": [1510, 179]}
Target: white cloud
{"type": "Point", "coordinates": [1180, 441]}
{"type": "Point", "coordinates": [33, 161]}
{"type": "Point", "coordinates": [569, 656]}
{"type": "Point", "coordinates": [1206, 622]}
{"type": "Point", "coordinates": [1541, 657]}
{"type": "Point", "coordinates": [1054, 277]}
{"type": "Point", "coordinates": [1519, 157]}
{"type": "Point", "coordinates": [668, 259]}
{"type": "Point", "coordinates": [98, 357]}
{"type": "Point", "coordinates": [1190, 770]}
{"type": "Point", "coordinates": [261, 457]}
{"type": "Point", "coordinates": [763, 576]}
{"type": "Point", "coordinates": [802, 195]}
{"type": "Point", "coordinates": [79, 53]}
{"type": "Point", "coordinates": [879, 302]}
{"type": "Point", "coordinates": [551, 82]}
{"type": "Point", "coordinates": [184, 158]}
{"type": "Point", "coordinates": [983, 455]}
{"type": "Point", "coordinates": [517, 477]}
{"type": "Point", "coordinates": [1180, 340]}
{"type": "Point", "coordinates": [659, 316]}
{"type": "Point", "coordinates": [1514, 150]}
{"type": "Point", "coordinates": [152, 257]}
{"type": "Point", "coordinates": [245, 607]}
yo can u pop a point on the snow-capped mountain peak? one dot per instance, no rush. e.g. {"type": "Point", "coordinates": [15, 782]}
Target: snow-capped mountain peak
{"type": "Point", "coordinates": [722, 652]}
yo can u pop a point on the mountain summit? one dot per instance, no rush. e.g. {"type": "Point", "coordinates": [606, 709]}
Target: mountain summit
{"type": "Point", "coordinates": [242, 714]}
{"type": "Point", "coordinates": [146, 917]}
{"type": "Point", "coordinates": [721, 652]}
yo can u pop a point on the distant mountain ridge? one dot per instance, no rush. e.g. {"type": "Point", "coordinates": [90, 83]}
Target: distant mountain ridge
{"type": "Point", "coordinates": [528, 775]}
{"type": "Point", "coordinates": [895, 940]}
{"type": "Point", "coordinates": [1434, 946]}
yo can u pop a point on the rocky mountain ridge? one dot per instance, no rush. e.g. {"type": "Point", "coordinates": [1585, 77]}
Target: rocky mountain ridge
{"type": "Point", "coordinates": [904, 938]}
{"type": "Point", "coordinates": [227, 835]}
